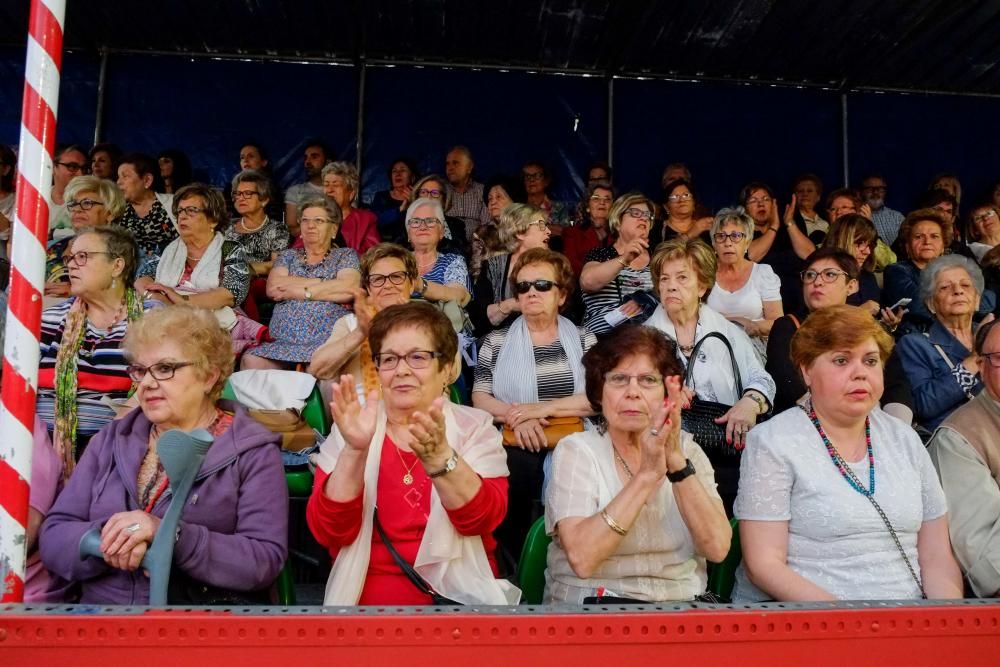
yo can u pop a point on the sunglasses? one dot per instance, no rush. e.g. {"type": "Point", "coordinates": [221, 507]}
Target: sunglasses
{"type": "Point", "coordinates": [522, 286]}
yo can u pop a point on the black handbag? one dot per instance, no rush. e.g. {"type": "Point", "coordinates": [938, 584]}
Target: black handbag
{"type": "Point", "coordinates": [411, 574]}
{"type": "Point", "coordinates": [699, 419]}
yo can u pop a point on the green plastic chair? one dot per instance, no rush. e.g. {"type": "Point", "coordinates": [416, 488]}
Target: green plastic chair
{"type": "Point", "coordinates": [313, 412]}
{"type": "Point", "coordinates": [722, 576]}
{"type": "Point", "coordinates": [531, 568]}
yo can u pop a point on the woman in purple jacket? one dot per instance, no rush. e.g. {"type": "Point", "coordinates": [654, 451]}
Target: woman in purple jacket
{"type": "Point", "coordinates": [232, 539]}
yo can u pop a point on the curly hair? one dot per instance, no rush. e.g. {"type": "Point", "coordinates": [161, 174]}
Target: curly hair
{"type": "Point", "coordinates": [628, 341]}
{"type": "Point", "coordinates": [925, 215]}
{"type": "Point", "coordinates": [388, 251]}
{"type": "Point", "coordinates": [416, 315]}
{"type": "Point", "coordinates": [212, 200]}
{"type": "Point", "coordinates": [560, 267]}
{"type": "Point", "coordinates": [702, 259]}
{"type": "Point", "coordinates": [837, 328]}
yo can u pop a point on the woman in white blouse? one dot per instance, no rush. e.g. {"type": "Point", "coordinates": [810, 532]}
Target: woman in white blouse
{"type": "Point", "coordinates": [745, 292]}
{"type": "Point", "coordinates": [839, 500]}
{"type": "Point", "coordinates": [632, 507]}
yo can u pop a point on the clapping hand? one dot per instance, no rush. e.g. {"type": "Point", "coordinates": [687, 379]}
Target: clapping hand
{"type": "Point", "coordinates": [355, 423]}
{"type": "Point", "coordinates": [428, 439]}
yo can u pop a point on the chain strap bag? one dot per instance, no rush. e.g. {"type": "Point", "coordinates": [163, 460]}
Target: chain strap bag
{"type": "Point", "coordinates": [699, 419]}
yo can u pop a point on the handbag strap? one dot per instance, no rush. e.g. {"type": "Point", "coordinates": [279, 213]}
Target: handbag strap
{"type": "Point", "coordinates": [732, 358]}
{"type": "Point", "coordinates": [407, 569]}
{"type": "Point", "coordinates": [947, 360]}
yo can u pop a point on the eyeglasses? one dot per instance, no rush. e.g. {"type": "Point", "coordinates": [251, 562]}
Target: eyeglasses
{"type": "Point", "coordinates": [639, 213]}
{"type": "Point", "coordinates": [684, 196]}
{"type": "Point", "coordinates": [758, 200]}
{"type": "Point", "coordinates": [735, 237]}
{"type": "Point", "coordinates": [416, 360]}
{"type": "Point", "coordinates": [645, 380]}
{"type": "Point", "coordinates": [163, 370]}
{"type": "Point", "coordinates": [992, 357]}
{"type": "Point", "coordinates": [599, 198]}
{"type": "Point", "coordinates": [85, 204]}
{"type": "Point", "coordinates": [422, 223]}
{"type": "Point", "coordinates": [433, 194]}
{"type": "Point", "coordinates": [378, 279]}
{"type": "Point", "coordinates": [313, 221]}
{"type": "Point", "coordinates": [80, 258]}
{"type": "Point", "coordinates": [984, 216]}
{"type": "Point", "coordinates": [71, 166]}
{"type": "Point", "coordinates": [189, 210]}
{"type": "Point", "coordinates": [829, 275]}
{"type": "Point", "coordinates": [245, 194]}
{"type": "Point", "coordinates": [541, 224]}
{"type": "Point", "coordinates": [533, 175]}
{"type": "Point", "coordinates": [522, 286]}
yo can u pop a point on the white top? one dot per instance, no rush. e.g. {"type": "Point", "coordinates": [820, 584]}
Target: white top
{"type": "Point", "coordinates": [748, 301]}
{"type": "Point", "coordinates": [836, 539]}
{"type": "Point", "coordinates": [979, 249]}
{"type": "Point", "coordinates": [656, 561]}
{"type": "Point", "coordinates": [301, 192]}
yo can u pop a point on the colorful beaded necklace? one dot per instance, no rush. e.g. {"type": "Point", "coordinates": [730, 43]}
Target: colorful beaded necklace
{"type": "Point", "coordinates": [839, 461]}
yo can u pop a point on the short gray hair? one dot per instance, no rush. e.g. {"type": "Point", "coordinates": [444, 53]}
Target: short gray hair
{"type": "Point", "coordinates": [929, 276]}
{"type": "Point", "coordinates": [348, 172]}
{"type": "Point", "coordinates": [515, 219]}
{"type": "Point", "coordinates": [427, 201]}
{"type": "Point", "coordinates": [331, 208]}
{"type": "Point", "coordinates": [114, 203]}
{"type": "Point", "coordinates": [264, 188]}
{"type": "Point", "coordinates": [736, 214]}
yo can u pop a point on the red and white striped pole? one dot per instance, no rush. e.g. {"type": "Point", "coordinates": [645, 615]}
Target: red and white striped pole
{"type": "Point", "coordinates": [27, 277]}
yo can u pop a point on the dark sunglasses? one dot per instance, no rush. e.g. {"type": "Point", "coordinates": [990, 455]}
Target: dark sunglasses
{"type": "Point", "coordinates": [522, 286]}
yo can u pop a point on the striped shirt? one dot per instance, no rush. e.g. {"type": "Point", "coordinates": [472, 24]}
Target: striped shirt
{"type": "Point", "coordinates": [469, 207]}
{"type": "Point", "coordinates": [610, 296]}
{"type": "Point", "coordinates": [887, 223]}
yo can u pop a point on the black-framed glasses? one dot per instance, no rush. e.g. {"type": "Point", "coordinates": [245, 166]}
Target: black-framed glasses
{"type": "Point", "coordinates": [160, 371]}
{"type": "Point", "coordinates": [533, 176]}
{"type": "Point", "coordinates": [378, 279]}
{"type": "Point", "coordinates": [993, 358]}
{"type": "Point", "coordinates": [245, 194]}
{"type": "Point", "coordinates": [422, 223]}
{"type": "Point", "coordinates": [417, 359]}
{"type": "Point", "coordinates": [71, 166]}
{"type": "Point", "coordinates": [828, 275]}
{"type": "Point", "coordinates": [639, 214]}
{"type": "Point", "coordinates": [85, 204]}
{"type": "Point", "coordinates": [522, 286]}
{"type": "Point", "coordinates": [427, 192]}
{"type": "Point", "coordinates": [735, 237]}
{"type": "Point", "coordinates": [80, 258]}
{"type": "Point", "coordinates": [645, 380]}
{"type": "Point", "coordinates": [189, 210]}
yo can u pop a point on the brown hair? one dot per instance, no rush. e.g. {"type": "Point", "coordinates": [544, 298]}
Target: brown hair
{"type": "Point", "coordinates": [118, 242]}
{"type": "Point", "coordinates": [195, 330]}
{"type": "Point", "coordinates": [834, 328]}
{"type": "Point", "coordinates": [215, 204]}
{"type": "Point", "coordinates": [702, 259]}
{"type": "Point", "coordinates": [850, 229]}
{"type": "Point", "coordinates": [560, 265]}
{"type": "Point", "coordinates": [387, 251]}
{"type": "Point", "coordinates": [841, 258]}
{"type": "Point", "coordinates": [628, 341]}
{"type": "Point", "coordinates": [624, 203]}
{"type": "Point", "coordinates": [925, 215]}
{"type": "Point", "coordinates": [845, 193]}
{"type": "Point", "coordinates": [417, 315]}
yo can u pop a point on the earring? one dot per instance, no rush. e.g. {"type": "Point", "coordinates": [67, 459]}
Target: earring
{"type": "Point", "coordinates": [114, 282]}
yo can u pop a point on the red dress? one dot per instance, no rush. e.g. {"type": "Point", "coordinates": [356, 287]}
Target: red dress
{"type": "Point", "coordinates": [403, 512]}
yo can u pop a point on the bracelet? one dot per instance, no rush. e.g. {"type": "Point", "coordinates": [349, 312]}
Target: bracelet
{"type": "Point", "coordinates": [502, 311]}
{"type": "Point", "coordinates": [622, 262]}
{"type": "Point", "coordinates": [612, 524]}
{"type": "Point", "coordinates": [774, 229]}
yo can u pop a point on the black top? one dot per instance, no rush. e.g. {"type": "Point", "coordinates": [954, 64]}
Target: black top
{"type": "Point", "coordinates": [868, 290]}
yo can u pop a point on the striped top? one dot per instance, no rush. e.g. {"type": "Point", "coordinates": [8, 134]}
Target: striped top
{"type": "Point", "coordinates": [610, 296]}
{"type": "Point", "coordinates": [100, 369]}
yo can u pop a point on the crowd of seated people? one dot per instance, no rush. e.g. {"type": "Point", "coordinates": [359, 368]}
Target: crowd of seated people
{"type": "Point", "coordinates": [678, 367]}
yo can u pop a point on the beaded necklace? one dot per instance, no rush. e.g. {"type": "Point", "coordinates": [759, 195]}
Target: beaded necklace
{"type": "Point", "coordinates": [838, 460]}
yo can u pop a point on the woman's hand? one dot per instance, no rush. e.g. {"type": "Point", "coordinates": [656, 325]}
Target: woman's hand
{"type": "Point", "coordinates": [530, 434]}
{"type": "Point", "coordinates": [739, 420]}
{"type": "Point", "coordinates": [700, 226]}
{"type": "Point", "coordinates": [520, 413]}
{"type": "Point", "coordinates": [630, 309]}
{"type": "Point", "coordinates": [356, 423]}
{"type": "Point", "coordinates": [748, 325]}
{"type": "Point", "coordinates": [891, 318]}
{"type": "Point", "coordinates": [634, 249]}
{"type": "Point", "coordinates": [660, 443]}
{"type": "Point", "coordinates": [427, 430]}
{"type": "Point", "coordinates": [125, 538]}
{"type": "Point", "coordinates": [364, 311]}
{"type": "Point", "coordinates": [865, 211]}
{"type": "Point", "coordinates": [789, 211]}
{"type": "Point", "coordinates": [57, 289]}
{"type": "Point", "coordinates": [163, 293]}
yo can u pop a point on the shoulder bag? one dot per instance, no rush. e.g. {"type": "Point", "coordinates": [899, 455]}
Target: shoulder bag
{"type": "Point", "coordinates": [410, 573]}
{"type": "Point", "coordinates": [699, 419]}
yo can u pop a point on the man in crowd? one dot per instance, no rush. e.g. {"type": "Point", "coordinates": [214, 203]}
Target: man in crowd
{"type": "Point", "coordinates": [467, 201]}
{"type": "Point", "coordinates": [314, 159]}
{"type": "Point", "coordinates": [886, 220]}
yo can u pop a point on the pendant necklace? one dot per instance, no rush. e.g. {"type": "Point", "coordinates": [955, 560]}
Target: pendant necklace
{"type": "Point", "coordinates": [407, 476]}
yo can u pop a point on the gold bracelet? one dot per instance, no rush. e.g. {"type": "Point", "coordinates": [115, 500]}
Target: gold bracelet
{"type": "Point", "coordinates": [612, 524]}
{"type": "Point", "coordinates": [622, 262]}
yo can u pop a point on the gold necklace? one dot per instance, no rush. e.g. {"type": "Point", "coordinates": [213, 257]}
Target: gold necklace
{"type": "Point", "coordinates": [407, 476]}
{"type": "Point", "coordinates": [618, 457]}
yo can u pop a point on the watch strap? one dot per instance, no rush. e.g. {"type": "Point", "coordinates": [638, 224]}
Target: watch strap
{"type": "Point", "coordinates": [682, 474]}
{"type": "Point", "coordinates": [449, 465]}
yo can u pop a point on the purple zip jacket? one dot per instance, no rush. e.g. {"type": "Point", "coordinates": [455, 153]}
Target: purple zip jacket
{"type": "Point", "coordinates": [233, 532]}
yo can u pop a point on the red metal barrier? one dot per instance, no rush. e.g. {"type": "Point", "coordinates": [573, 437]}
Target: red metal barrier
{"type": "Point", "coordinates": [905, 635]}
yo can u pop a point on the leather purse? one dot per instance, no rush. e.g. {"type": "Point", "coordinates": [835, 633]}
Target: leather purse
{"type": "Point", "coordinates": [699, 419]}
{"type": "Point", "coordinates": [296, 434]}
{"type": "Point", "coordinates": [558, 428]}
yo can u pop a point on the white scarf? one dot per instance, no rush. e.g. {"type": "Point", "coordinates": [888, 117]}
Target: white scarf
{"type": "Point", "coordinates": [456, 566]}
{"type": "Point", "coordinates": [205, 276]}
{"type": "Point", "coordinates": [713, 376]}
{"type": "Point", "coordinates": [514, 377]}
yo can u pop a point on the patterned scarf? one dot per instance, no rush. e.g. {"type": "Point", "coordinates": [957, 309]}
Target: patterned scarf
{"type": "Point", "coordinates": [369, 374]}
{"type": "Point", "coordinates": [66, 384]}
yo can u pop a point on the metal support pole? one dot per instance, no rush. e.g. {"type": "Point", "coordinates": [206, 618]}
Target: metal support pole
{"type": "Point", "coordinates": [845, 140]}
{"type": "Point", "coordinates": [360, 141]}
{"type": "Point", "coordinates": [102, 77]}
{"type": "Point", "coordinates": [611, 121]}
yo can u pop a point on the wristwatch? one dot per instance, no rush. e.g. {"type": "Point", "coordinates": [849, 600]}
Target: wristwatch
{"type": "Point", "coordinates": [682, 474]}
{"type": "Point", "coordinates": [308, 294]}
{"type": "Point", "coordinates": [449, 465]}
{"type": "Point", "coordinates": [758, 399]}
{"type": "Point", "coordinates": [423, 287]}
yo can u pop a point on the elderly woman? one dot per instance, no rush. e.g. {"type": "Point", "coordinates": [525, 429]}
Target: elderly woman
{"type": "Point", "coordinates": [261, 236]}
{"type": "Point", "coordinates": [148, 214]}
{"type": "Point", "coordinates": [68, 163]}
{"type": "Point", "coordinates": [433, 186]}
{"type": "Point", "coordinates": [593, 231]}
{"type": "Point", "coordinates": [436, 471]}
{"type": "Point", "coordinates": [829, 279]}
{"type": "Point", "coordinates": [443, 275]}
{"type": "Point", "coordinates": [341, 183]}
{"type": "Point", "coordinates": [81, 364]}
{"type": "Point", "coordinates": [498, 193]}
{"type": "Point", "coordinates": [522, 227]}
{"type": "Point", "coordinates": [925, 234]}
{"type": "Point", "coordinates": [313, 286]}
{"type": "Point", "coordinates": [613, 273]}
{"type": "Point", "coordinates": [745, 292]}
{"type": "Point", "coordinates": [529, 372]}
{"type": "Point", "coordinates": [940, 364]}
{"type": "Point", "coordinates": [808, 189]}
{"type": "Point", "coordinates": [201, 268]}
{"type": "Point", "coordinates": [231, 541]}
{"type": "Point", "coordinates": [389, 205]}
{"type": "Point", "coordinates": [684, 273]}
{"type": "Point", "coordinates": [839, 500]}
{"type": "Point", "coordinates": [632, 507]}
{"type": "Point", "coordinates": [680, 215]}
{"type": "Point", "coordinates": [91, 202]}
{"type": "Point", "coordinates": [984, 223]}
